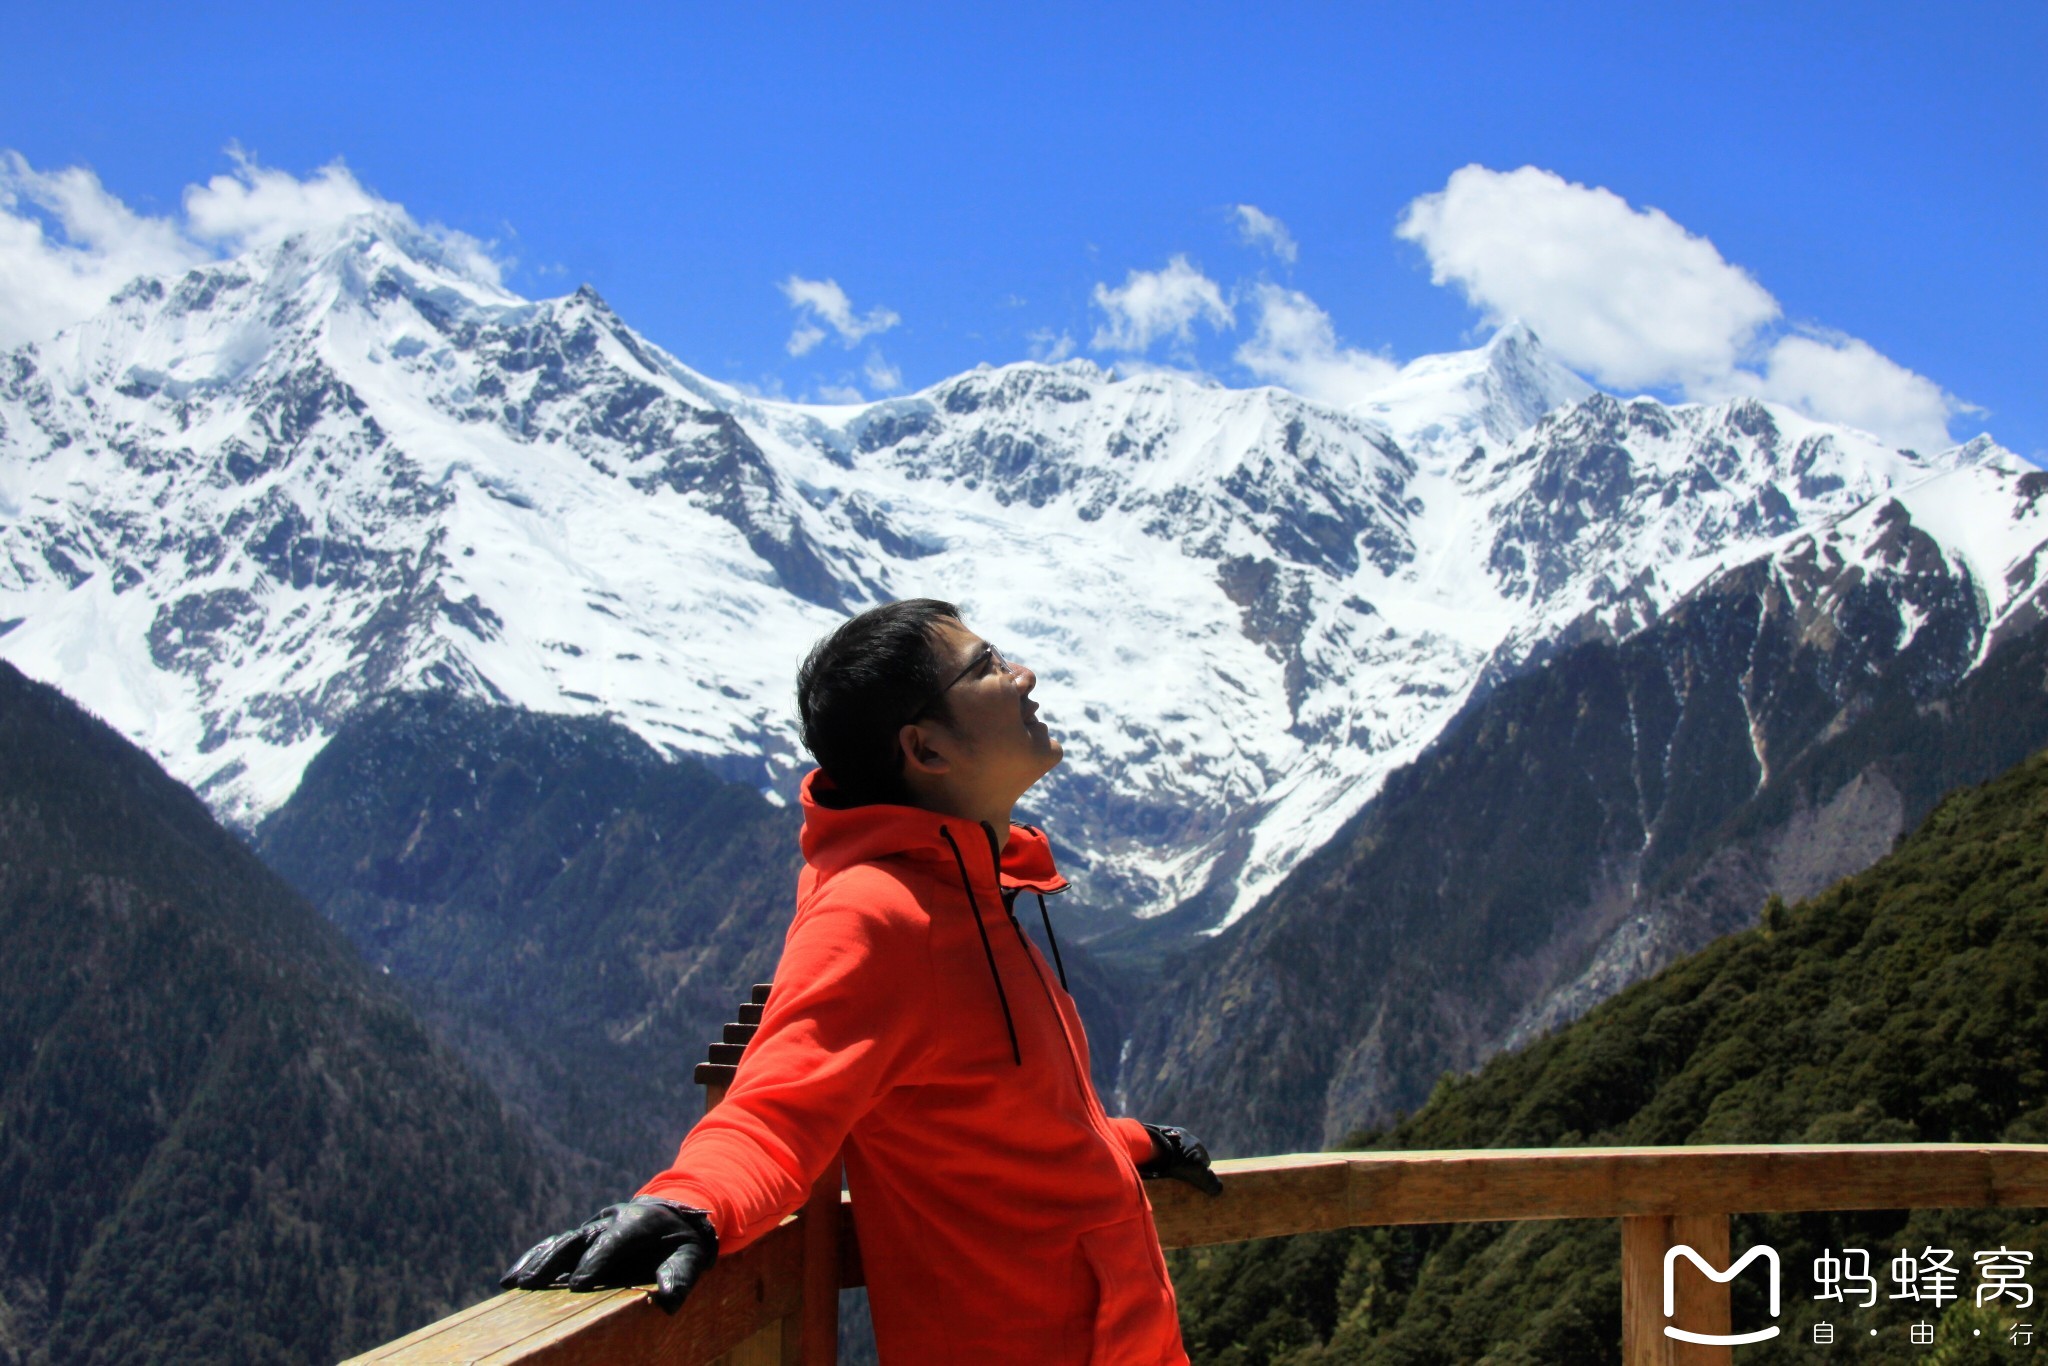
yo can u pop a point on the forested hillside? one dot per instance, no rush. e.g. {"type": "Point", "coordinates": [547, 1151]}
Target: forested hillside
{"type": "Point", "coordinates": [1907, 1004]}
{"type": "Point", "coordinates": [570, 910]}
{"type": "Point", "coordinates": [222, 1137]}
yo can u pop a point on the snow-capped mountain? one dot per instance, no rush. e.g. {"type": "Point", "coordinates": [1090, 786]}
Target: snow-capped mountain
{"type": "Point", "coordinates": [1594, 819]}
{"type": "Point", "coordinates": [238, 504]}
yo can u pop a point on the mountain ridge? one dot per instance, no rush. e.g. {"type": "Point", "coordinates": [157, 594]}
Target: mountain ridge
{"type": "Point", "coordinates": [1589, 820]}
{"type": "Point", "coordinates": [240, 504]}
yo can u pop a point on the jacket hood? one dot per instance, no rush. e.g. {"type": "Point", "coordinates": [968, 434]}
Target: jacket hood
{"type": "Point", "coordinates": [837, 836]}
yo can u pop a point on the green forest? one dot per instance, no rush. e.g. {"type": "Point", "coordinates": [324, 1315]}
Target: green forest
{"type": "Point", "coordinates": [222, 1138]}
{"type": "Point", "coordinates": [1906, 1004]}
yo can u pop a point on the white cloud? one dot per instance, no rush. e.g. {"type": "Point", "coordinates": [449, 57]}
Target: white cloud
{"type": "Point", "coordinates": [1631, 299]}
{"type": "Point", "coordinates": [1296, 346]}
{"type": "Point", "coordinates": [1151, 304]}
{"type": "Point", "coordinates": [823, 301]}
{"type": "Point", "coordinates": [1261, 229]}
{"type": "Point", "coordinates": [1048, 346]}
{"type": "Point", "coordinates": [1627, 295]}
{"type": "Point", "coordinates": [840, 393]}
{"type": "Point", "coordinates": [67, 244]}
{"type": "Point", "coordinates": [882, 377]}
{"type": "Point", "coordinates": [1848, 381]}
{"type": "Point", "coordinates": [806, 336]}
{"type": "Point", "coordinates": [257, 206]}
{"type": "Point", "coordinates": [48, 282]}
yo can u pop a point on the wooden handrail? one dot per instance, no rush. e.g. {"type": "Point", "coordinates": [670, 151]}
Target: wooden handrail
{"type": "Point", "coordinates": [1311, 1192]}
{"type": "Point", "coordinates": [774, 1304]}
{"type": "Point", "coordinates": [1662, 1196]}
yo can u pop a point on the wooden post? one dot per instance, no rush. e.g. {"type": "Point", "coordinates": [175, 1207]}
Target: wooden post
{"type": "Point", "coordinates": [1700, 1305]}
{"type": "Point", "coordinates": [818, 1327]}
{"type": "Point", "coordinates": [810, 1336]}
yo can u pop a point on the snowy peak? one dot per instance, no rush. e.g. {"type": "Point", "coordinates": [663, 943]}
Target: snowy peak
{"type": "Point", "coordinates": [1522, 381]}
{"type": "Point", "coordinates": [1444, 405]}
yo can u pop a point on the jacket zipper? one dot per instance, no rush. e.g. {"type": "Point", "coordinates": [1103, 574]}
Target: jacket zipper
{"type": "Point", "coordinates": [1098, 1117]}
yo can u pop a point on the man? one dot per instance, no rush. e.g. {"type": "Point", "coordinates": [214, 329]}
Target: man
{"type": "Point", "coordinates": [1002, 1213]}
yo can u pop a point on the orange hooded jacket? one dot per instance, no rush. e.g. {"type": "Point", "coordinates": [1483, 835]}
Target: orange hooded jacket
{"type": "Point", "coordinates": [1001, 1215]}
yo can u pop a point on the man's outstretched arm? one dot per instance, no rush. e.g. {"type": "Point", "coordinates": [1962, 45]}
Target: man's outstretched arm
{"type": "Point", "coordinates": [840, 1027]}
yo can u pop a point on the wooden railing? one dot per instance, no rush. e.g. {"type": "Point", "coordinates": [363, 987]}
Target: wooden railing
{"type": "Point", "coordinates": [776, 1302]}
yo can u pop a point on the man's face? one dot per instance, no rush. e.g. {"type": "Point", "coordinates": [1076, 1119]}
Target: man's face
{"type": "Point", "coordinates": [999, 746]}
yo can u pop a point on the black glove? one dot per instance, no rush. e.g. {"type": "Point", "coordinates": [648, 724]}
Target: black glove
{"type": "Point", "coordinates": [1180, 1156]}
{"type": "Point", "coordinates": [645, 1239]}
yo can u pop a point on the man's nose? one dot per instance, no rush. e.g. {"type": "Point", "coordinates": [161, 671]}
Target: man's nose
{"type": "Point", "coordinates": [1026, 680]}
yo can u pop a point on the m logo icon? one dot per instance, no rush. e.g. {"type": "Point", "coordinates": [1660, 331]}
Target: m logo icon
{"type": "Point", "coordinates": [1765, 1251]}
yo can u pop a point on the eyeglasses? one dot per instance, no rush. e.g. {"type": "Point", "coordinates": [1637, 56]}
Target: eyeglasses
{"type": "Point", "coordinates": [984, 655]}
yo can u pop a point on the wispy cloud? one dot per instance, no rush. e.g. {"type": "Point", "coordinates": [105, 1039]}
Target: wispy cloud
{"type": "Point", "coordinates": [1049, 346]}
{"type": "Point", "coordinates": [67, 243]}
{"type": "Point", "coordinates": [1262, 229]}
{"type": "Point", "coordinates": [882, 377]}
{"type": "Point", "coordinates": [66, 246]}
{"type": "Point", "coordinates": [1155, 304]}
{"type": "Point", "coordinates": [1295, 345]}
{"type": "Point", "coordinates": [824, 302]}
{"type": "Point", "coordinates": [1846, 380]}
{"type": "Point", "coordinates": [1632, 299]}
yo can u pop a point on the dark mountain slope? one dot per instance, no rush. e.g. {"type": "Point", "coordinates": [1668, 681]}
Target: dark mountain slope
{"type": "Point", "coordinates": [575, 913]}
{"type": "Point", "coordinates": [1907, 1004]}
{"type": "Point", "coordinates": [222, 1138]}
{"type": "Point", "coordinates": [1581, 826]}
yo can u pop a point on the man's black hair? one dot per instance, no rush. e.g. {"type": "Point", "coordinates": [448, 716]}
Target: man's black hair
{"type": "Point", "coordinates": [862, 684]}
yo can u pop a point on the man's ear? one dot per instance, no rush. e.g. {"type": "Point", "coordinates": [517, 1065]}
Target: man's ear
{"type": "Point", "coordinates": [919, 755]}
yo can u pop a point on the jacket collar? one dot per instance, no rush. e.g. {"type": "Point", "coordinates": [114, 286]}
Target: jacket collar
{"type": "Point", "coordinates": [836, 837]}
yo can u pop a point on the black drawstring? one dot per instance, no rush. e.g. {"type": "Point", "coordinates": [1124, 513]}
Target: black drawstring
{"type": "Point", "coordinates": [1050, 937]}
{"type": "Point", "coordinates": [1053, 939]}
{"type": "Point", "coordinates": [975, 905]}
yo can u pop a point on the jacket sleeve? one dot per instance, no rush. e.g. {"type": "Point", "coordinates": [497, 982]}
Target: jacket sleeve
{"type": "Point", "coordinates": [843, 1024]}
{"type": "Point", "coordinates": [1137, 1142]}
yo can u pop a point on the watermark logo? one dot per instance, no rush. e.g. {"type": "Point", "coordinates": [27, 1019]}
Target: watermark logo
{"type": "Point", "coordinates": [1763, 1250]}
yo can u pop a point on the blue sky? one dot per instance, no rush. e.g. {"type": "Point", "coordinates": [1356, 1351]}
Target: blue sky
{"type": "Point", "coordinates": [1850, 198]}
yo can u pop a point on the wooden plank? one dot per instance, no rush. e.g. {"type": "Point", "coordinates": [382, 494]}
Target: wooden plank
{"type": "Point", "coordinates": [741, 1034]}
{"type": "Point", "coordinates": [750, 1013]}
{"type": "Point", "coordinates": [764, 1348]}
{"type": "Point", "coordinates": [1263, 1197]}
{"type": "Point", "coordinates": [1699, 1303]}
{"type": "Point", "coordinates": [735, 1299]}
{"type": "Point", "coordinates": [760, 993]}
{"type": "Point", "coordinates": [1585, 1183]}
{"type": "Point", "coordinates": [818, 1327]}
{"type": "Point", "coordinates": [502, 1306]}
{"type": "Point", "coordinates": [514, 1317]}
{"type": "Point", "coordinates": [714, 1074]}
{"type": "Point", "coordinates": [725, 1054]}
{"type": "Point", "coordinates": [1268, 1196]}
